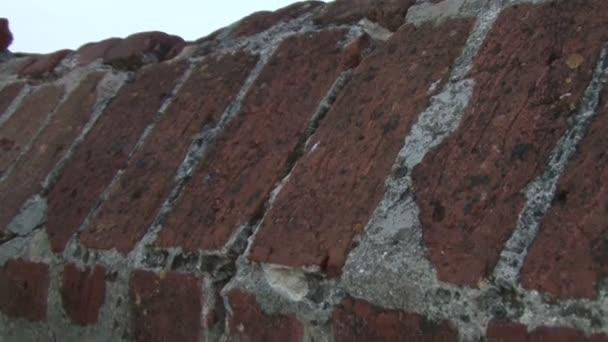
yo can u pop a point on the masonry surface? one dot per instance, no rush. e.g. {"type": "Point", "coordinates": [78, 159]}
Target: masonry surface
{"type": "Point", "coordinates": [357, 170]}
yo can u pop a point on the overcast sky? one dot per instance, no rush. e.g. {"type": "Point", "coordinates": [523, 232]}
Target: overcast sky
{"type": "Point", "coordinates": [47, 25]}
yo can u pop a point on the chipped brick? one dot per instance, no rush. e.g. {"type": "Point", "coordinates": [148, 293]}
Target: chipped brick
{"type": "Point", "coordinates": [357, 320]}
{"type": "Point", "coordinates": [470, 188]}
{"type": "Point", "coordinates": [148, 180]}
{"type": "Point", "coordinates": [356, 146]}
{"type": "Point", "coordinates": [83, 293]}
{"type": "Point", "coordinates": [256, 148]}
{"type": "Point", "coordinates": [106, 150]}
{"type": "Point", "coordinates": [24, 286]}
{"type": "Point", "coordinates": [165, 307]}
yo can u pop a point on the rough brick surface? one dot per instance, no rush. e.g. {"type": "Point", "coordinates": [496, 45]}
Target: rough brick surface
{"type": "Point", "coordinates": [501, 331]}
{"type": "Point", "coordinates": [146, 183]}
{"type": "Point", "coordinates": [8, 94]}
{"type": "Point", "coordinates": [165, 307]}
{"type": "Point", "coordinates": [388, 13]}
{"type": "Point", "coordinates": [351, 155]}
{"type": "Point", "coordinates": [261, 21]}
{"type": "Point", "coordinates": [83, 293]}
{"type": "Point", "coordinates": [22, 126]}
{"type": "Point", "coordinates": [256, 148]}
{"type": "Point", "coordinates": [42, 65]}
{"type": "Point", "coordinates": [23, 289]}
{"type": "Point", "coordinates": [249, 323]}
{"type": "Point", "coordinates": [92, 51]}
{"type": "Point", "coordinates": [570, 255]}
{"type": "Point", "coordinates": [31, 169]}
{"type": "Point", "coordinates": [6, 37]}
{"type": "Point", "coordinates": [106, 150]}
{"type": "Point", "coordinates": [357, 320]}
{"type": "Point", "coordinates": [470, 189]}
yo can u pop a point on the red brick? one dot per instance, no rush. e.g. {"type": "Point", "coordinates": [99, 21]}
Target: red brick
{"type": "Point", "coordinates": [41, 65]}
{"type": "Point", "coordinates": [502, 331]}
{"type": "Point", "coordinates": [91, 52]}
{"type": "Point", "coordinates": [248, 322]}
{"type": "Point", "coordinates": [106, 150]}
{"type": "Point", "coordinates": [8, 94]}
{"type": "Point", "coordinates": [23, 125]}
{"type": "Point", "coordinates": [55, 139]}
{"type": "Point", "coordinates": [129, 52]}
{"type": "Point", "coordinates": [23, 289]}
{"type": "Point", "coordinates": [255, 150]}
{"type": "Point", "coordinates": [470, 189]}
{"type": "Point", "coordinates": [6, 37]}
{"type": "Point", "coordinates": [261, 21]}
{"type": "Point", "coordinates": [334, 189]}
{"type": "Point", "coordinates": [165, 307]}
{"type": "Point", "coordinates": [388, 13]}
{"type": "Point", "coordinates": [570, 255]}
{"type": "Point", "coordinates": [357, 320]}
{"type": "Point", "coordinates": [83, 293]}
{"type": "Point", "coordinates": [148, 180]}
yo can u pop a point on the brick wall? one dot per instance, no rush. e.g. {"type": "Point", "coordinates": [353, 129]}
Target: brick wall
{"type": "Point", "coordinates": [348, 171]}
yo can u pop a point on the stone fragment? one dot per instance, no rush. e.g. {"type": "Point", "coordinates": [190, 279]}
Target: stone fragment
{"type": "Point", "coordinates": [106, 150]}
{"type": "Point", "coordinates": [165, 308]}
{"type": "Point", "coordinates": [339, 181]}
{"type": "Point", "coordinates": [247, 321]}
{"type": "Point", "coordinates": [83, 293]}
{"type": "Point", "coordinates": [470, 189]}
{"type": "Point", "coordinates": [23, 289]}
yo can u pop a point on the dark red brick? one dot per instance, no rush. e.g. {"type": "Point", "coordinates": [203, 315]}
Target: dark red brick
{"type": "Point", "coordinates": [52, 143]}
{"type": "Point", "coordinates": [23, 125]}
{"type": "Point", "coordinates": [261, 21]}
{"type": "Point", "coordinates": [470, 189]}
{"type": "Point", "coordinates": [502, 331]}
{"type": "Point", "coordinates": [357, 320]}
{"type": "Point", "coordinates": [106, 150]}
{"type": "Point", "coordinates": [23, 289]}
{"type": "Point", "coordinates": [334, 189]}
{"type": "Point", "coordinates": [570, 255]}
{"type": "Point", "coordinates": [41, 65]}
{"type": "Point", "coordinates": [255, 150]}
{"type": "Point", "coordinates": [165, 307]}
{"type": "Point", "coordinates": [8, 94]}
{"type": "Point", "coordinates": [388, 13]}
{"type": "Point", "coordinates": [148, 180]}
{"type": "Point", "coordinates": [6, 37]}
{"type": "Point", "coordinates": [93, 51]}
{"type": "Point", "coordinates": [249, 323]}
{"type": "Point", "coordinates": [83, 293]}
{"type": "Point", "coordinates": [129, 52]}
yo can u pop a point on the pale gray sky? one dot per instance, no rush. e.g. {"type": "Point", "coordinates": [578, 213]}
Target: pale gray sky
{"type": "Point", "coordinates": [47, 25]}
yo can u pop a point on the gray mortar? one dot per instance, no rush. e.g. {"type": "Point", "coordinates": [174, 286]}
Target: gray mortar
{"type": "Point", "coordinates": [540, 192]}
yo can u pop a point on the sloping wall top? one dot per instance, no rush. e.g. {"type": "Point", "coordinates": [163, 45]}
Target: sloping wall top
{"type": "Point", "coordinates": [352, 171]}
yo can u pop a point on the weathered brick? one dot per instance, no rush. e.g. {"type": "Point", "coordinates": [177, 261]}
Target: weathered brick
{"type": "Point", "coordinates": [502, 331]}
{"type": "Point", "coordinates": [54, 140]}
{"type": "Point", "coordinates": [106, 150]}
{"type": "Point", "coordinates": [470, 188]}
{"type": "Point", "coordinates": [133, 51]}
{"type": "Point", "coordinates": [256, 149]}
{"type": "Point", "coordinates": [388, 13]}
{"type": "Point", "coordinates": [6, 37]}
{"type": "Point", "coordinates": [23, 125]}
{"type": "Point", "coordinates": [569, 257]}
{"type": "Point", "coordinates": [261, 21]}
{"type": "Point", "coordinates": [339, 181]}
{"type": "Point", "coordinates": [91, 52]}
{"type": "Point", "coordinates": [148, 180]}
{"type": "Point", "coordinates": [165, 307]}
{"type": "Point", "coordinates": [248, 322]}
{"type": "Point", "coordinates": [83, 293]}
{"type": "Point", "coordinates": [357, 320]}
{"type": "Point", "coordinates": [41, 65]}
{"type": "Point", "coordinates": [23, 289]}
{"type": "Point", "coordinates": [8, 94]}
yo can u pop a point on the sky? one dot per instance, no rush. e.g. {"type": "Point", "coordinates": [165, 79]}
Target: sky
{"type": "Point", "coordinates": [41, 26]}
